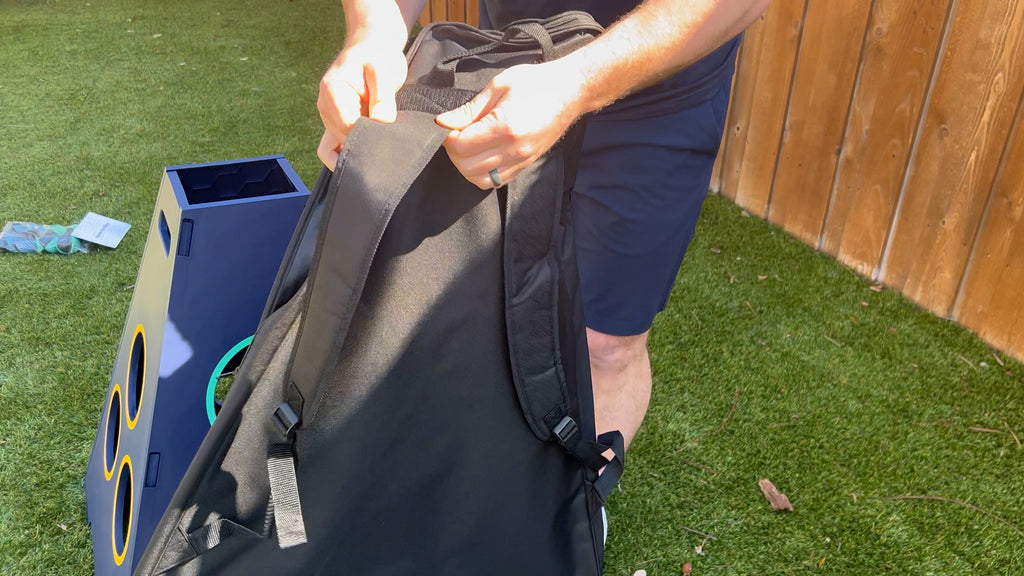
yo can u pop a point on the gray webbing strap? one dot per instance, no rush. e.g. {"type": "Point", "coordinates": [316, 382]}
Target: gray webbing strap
{"type": "Point", "coordinates": [284, 496]}
{"type": "Point", "coordinates": [213, 534]}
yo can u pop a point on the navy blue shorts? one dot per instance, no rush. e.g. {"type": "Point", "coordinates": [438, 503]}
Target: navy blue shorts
{"type": "Point", "coordinates": [639, 190]}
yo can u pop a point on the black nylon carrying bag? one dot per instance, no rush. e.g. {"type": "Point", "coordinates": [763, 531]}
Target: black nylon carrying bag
{"type": "Point", "coordinates": [417, 398]}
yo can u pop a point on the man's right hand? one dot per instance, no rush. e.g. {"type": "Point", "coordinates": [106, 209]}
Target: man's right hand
{"type": "Point", "coordinates": [362, 81]}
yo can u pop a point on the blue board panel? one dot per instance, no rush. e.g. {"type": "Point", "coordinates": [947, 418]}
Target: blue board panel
{"type": "Point", "coordinates": [218, 233]}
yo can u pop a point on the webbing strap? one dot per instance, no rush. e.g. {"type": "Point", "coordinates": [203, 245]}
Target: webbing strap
{"type": "Point", "coordinates": [213, 534]}
{"type": "Point", "coordinates": [376, 167]}
{"type": "Point", "coordinates": [609, 478]}
{"type": "Point", "coordinates": [182, 547]}
{"type": "Point", "coordinates": [284, 496]}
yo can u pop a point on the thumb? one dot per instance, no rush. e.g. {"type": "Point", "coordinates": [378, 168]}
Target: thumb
{"type": "Point", "coordinates": [469, 112]}
{"type": "Point", "coordinates": [382, 83]}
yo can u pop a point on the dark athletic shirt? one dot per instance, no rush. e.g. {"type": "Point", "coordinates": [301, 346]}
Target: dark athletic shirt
{"type": "Point", "coordinates": [689, 87]}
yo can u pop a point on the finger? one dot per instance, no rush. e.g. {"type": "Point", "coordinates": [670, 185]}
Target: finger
{"type": "Point", "coordinates": [382, 83]}
{"type": "Point", "coordinates": [328, 150]}
{"type": "Point", "coordinates": [487, 132]}
{"type": "Point", "coordinates": [477, 167]}
{"type": "Point", "coordinates": [340, 103]}
{"type": "Point", "coordinates": [478, 172]}
{"type": "Point", "coordinates": [471, 111]}
{"type": "Point", "coordinates": [484, 136]}
{"type": "Point", "coordinates": [505, 175]}
{"type": "Point", "coordinates": [484, 182]}
{"type": "Point", "coordinates": [339, 114]}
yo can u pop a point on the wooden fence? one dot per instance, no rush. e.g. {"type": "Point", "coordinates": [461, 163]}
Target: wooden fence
{"type": "Point", "coordinates": [451, 10]}
{"type": "Point", "coordinates": [888, 134]}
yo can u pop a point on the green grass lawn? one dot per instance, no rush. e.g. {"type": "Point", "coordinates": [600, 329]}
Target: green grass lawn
{"type": "Point", "coordinates": [772, 361]}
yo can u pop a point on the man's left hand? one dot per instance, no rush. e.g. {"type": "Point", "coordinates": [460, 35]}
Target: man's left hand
{"type": "Point", "coordinates": [521, 113]}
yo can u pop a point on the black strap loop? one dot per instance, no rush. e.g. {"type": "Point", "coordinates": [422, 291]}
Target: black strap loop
{"type": "Point", "coordinates": [593, 454]}
{"type": "Point", "coordinates": [609, 478]}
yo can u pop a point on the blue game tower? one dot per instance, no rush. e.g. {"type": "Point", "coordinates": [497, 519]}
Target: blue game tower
{"type": "Point", "coordinates": [216, 241]}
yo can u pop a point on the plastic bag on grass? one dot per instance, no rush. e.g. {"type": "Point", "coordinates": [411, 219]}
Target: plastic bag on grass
{"type": "Point", "coordinates": [30, 237]}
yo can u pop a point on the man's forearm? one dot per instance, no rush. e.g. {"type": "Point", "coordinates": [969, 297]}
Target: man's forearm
{"type": "Point", "coordinates": [657, 39]}
{"type": "Point", "coordinates": [387, 21]}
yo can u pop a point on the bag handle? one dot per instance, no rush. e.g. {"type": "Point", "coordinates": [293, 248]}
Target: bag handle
{"type": "Point", "coordinates": [534, 30]}
{"type": "Point", "coordinates": [445, 71]}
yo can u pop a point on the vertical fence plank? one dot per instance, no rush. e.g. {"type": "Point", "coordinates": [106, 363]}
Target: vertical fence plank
{"type": "Point", "coordinates": [457, 10]}
{"type": "Point", "coordinates": [992, 301]}
{"type": "Point", "coordinates": [716, 171]}
{"type": "Point", "coordinates": [715, 186]}
{"type": "Point", "coordinates": [899, 55]}
{"type": "Point", "coordinates": [961, 142]}
{"type": "Point", "coordinates": [741, 102]}
{"type": "Point", "coordinates": [438, 10]}
{"type": "Point", "coordinates": [424, 18]}
{"type": "Point", "coordinates": [451, 10]}
{"type": "Point", "coordinates": [822, 84]}
{"type": "Point", "coordinates": [762, 98]}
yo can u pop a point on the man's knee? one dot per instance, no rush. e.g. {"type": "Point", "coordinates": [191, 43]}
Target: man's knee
{"type": "Point", "coordinates": [608, 352]}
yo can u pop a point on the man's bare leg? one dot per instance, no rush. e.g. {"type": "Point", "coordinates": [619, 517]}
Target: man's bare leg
{"type": "Point", "coordinates": [621, 372]}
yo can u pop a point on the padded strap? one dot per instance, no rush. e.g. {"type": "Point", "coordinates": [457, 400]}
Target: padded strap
{"type": "Point", "coordinates": [363, 196]}
{"type": "Point", "coordinates": [375, 169]}
{"type": "Point", "coordinates": [531, 295]}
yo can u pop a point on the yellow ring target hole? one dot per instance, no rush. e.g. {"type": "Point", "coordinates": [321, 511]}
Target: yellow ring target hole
{"type": "Point", "coordinates": [121, 520]}
{"type": "Point", "coordinates": [135, 381]}
{"type": "Point", "coordinates": [112, 432]}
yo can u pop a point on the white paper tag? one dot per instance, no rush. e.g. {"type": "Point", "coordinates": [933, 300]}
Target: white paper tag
{"type": "Point", "coordinates": [101, 230]}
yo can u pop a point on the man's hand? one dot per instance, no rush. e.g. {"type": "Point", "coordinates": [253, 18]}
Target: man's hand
{"type": "Point", "coordinates": [521, 113]}
{"type": "Point", "coordinates": [362, 81]}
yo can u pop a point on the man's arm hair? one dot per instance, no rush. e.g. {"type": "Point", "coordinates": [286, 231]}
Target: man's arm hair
{"type": "Point", "coordinates": [654, 41]}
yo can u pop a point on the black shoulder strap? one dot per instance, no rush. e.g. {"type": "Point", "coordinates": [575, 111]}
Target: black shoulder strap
{"type": "Point", "coordinates": [375, 169]}
{"type": "Point", "coordinates": [377, 166]}
{"type": "Point", "coordinates": [531, 301]}
{"type": "Point", "coordinates": [535, 238]}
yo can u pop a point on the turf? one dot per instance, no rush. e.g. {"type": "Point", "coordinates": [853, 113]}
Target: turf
{"type": "Point", "coordinates": [772, 361]}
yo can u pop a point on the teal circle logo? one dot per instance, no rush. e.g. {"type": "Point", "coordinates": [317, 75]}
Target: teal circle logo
{"type": "Point", "coordinates": [211, 388]}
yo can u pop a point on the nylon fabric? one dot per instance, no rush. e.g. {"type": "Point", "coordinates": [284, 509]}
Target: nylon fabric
{"type": "Point", "coordinates": [421, 445]}
{"type": "Point", "coordinates": [352, 242]}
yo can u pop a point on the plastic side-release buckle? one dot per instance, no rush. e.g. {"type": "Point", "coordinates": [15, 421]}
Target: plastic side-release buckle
{"type": "Point", "coordinates": [286, 420]}
{"type": "Point", "coordinates": [566, 432]}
